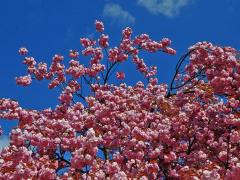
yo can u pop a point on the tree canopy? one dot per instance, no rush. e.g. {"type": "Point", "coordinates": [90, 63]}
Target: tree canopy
{"type": "Point", "coordinates": [189, 129]}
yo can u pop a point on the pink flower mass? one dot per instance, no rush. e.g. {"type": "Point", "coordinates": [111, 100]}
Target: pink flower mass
{"type": "Point", "coordinates": [189, 129]}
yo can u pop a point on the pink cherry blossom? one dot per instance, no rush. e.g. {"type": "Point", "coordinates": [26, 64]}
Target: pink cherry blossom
{"type": "Point", "coordinates": [99, 26]}
{"type": "Point", "coordinates": [24, 80]}
{"type": "Point", "coordinates": [120, 75]}
{"type": "Point", "coordinates": [87, 42]}
{"type": "Point", "coordinates": [103, 41]}
{"type": "Point", "coordinates": [73, 54]}
{"type": "Point", "coordinates": [127, 33]}
{"type": "Point", "coordinates": [23, 51]}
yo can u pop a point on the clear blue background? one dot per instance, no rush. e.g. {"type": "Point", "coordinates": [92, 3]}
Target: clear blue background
{"type": "Point", "coordinates": [47, 27]}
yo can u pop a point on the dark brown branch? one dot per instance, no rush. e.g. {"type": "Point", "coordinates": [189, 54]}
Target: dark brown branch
{"type": "Point", "coordinates": [178, 65]}
{"type": "Point", "coordinates": [189, 150]}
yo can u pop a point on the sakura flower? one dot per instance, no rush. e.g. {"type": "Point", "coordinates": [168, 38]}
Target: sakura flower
{"type": "Point", "coordinates": [103, 41]}
{"type": "Point", "coordinates": [23, 80]}
{"type": "Point", "coordinates": [99, 26]}
{"type": "Point", "coordinates": [120, 75]}
{"type": "Point", "coordinates": [73, 54]}
{"type": "Point", "coordinates": [23, 51]}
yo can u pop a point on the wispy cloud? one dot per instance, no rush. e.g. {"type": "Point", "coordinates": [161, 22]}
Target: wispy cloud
{"type": "Point", "coordinates": [4, 141]}
{"type": "Point", "coordinates": [118, 14]}
{"type": "Point", "coordinates": [169, 8]}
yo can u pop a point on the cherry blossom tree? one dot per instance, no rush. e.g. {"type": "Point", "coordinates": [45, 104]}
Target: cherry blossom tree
{"type": "Point", "coordinates": [189, 129]}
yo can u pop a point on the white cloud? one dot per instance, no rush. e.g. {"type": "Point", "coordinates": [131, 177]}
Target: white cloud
{"type": "Point", "coordinates": [118, 14]}
{"type": "Point", "coordinates": [169, 8]}
{"type": "Point", "coordinates": [4, 141]}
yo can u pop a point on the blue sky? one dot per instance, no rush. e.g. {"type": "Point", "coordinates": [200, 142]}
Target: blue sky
{"type": "Point", "coordinates": [55, 26]}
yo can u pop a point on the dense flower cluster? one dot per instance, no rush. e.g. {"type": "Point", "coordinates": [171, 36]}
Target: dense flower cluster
{"type": "Point", "coordinates": [24, 80]}
{"type": "Point", "coordinates": [187, 130]}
